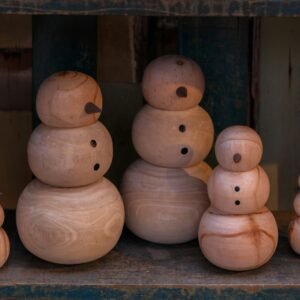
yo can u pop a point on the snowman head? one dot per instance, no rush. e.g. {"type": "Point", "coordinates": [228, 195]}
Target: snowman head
{"type": "Point", "coordinates": [69, 99]}
{"type": "Point", "coordinates": [173, 82]}
{"type": "Point", "coordinates": [238, 148]}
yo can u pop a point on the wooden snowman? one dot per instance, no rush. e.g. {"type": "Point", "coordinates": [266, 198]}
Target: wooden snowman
{"type": "Point", "coordinates": [238, 232]}
{"type": "Point", "coordinates": [70, 214]}
{"type": "Point", "coordinates": [294, 228]}
{"type": "Point", "coordinates": [165, 192]}
{"type": "Point", "coordinates": [4, 241]}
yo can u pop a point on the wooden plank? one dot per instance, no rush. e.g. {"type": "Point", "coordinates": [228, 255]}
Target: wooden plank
{"type": "Point", "coordinates": [136, 269]}
{"type": "Point", "coordinates": [15, 129]}
{"type": "Point", "coordinates": [154, 7]}
{"type": "Point", "coordinates": [63, 43]}
{"type": "Point", "coordinates": [278, 102]}
{"type": "Point", "coordinates": [221, 47]}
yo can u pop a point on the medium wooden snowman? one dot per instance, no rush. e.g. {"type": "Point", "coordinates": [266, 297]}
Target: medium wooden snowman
{"type": "Point", "coordinates": [70, 214]}
{"type": "Point", "coordinates": [238, 232]}
{"type": "Point", "coordinates": [165, 192]}
{"type": "Point", "coordinates": [294, 228]}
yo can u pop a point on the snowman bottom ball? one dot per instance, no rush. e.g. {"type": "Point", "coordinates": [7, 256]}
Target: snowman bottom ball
{"type": "Point", "coordinates": [163, 205]}
{"type": "Point", "coordinates": [70, 225]}
{"type": "Point", "coordinates": [294, 234]}
{"type": "Point", "coordinates": [238, 242]}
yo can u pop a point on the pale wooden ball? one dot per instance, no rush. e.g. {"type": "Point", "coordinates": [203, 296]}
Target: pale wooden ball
{"type": "Point", "coordinates": [2, 216]}
{"type": "Point", "coordinates": [297, 204]}
{"type": "Point", "coordinates": [238, 148]}
{"type": "Point", "coordinates": [70, 157]}
{"type": "Point", "coordinates": [294, 234]}
{"type": "Point", "coordinates": [238, 192]}
{"type": "Point", "coordinates": [173, 82]}
{"type": "Point", "coordinates": [172, 138]}
{"type": "Point", "coordinates": [238, 242]}
{"type": "Point", "coordinates": [4, 247]}
{"type": "Point", "coordinates": [69, 99]}
{"type": "Point", "coordinates": [70, 225]}
{"type": "Point", "coordinates": [163, 205]}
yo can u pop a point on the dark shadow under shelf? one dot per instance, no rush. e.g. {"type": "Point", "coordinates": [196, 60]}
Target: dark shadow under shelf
{"type": "Point", "coordinates": [136, 269]}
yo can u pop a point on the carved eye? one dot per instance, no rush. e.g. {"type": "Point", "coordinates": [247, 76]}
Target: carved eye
{"type": "Point", "coordinates": [96, 167]}
{"type": "Point", "coordinates": [181, 92]}
{"type": "Point", "coordinates": [237, 202]}
{"type": "Point", "coordinates": [184, 151]}
{"type": "Point", "coordinates": [237, 188]}
{"type": "Point", "coordinates": [182, 128]}
{"type": "Point", "coordinates": [93, 143]}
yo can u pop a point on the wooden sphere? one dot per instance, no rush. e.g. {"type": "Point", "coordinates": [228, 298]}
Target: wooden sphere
{"type": "Point", "coordinates": [70, 157]}
{"type": "Point", "coordinates": [238, 192]}
{"type": "Point", "coordinates": [4, 247]}
{"type": "Point", "coordinates": [69, 99]}
{"type": "Point", "coordinates": [297, 204]}
{"type": "Point", "coordinates": [173, 82]}
{"type": "Point", "coordinates": [238, 242]}
{"type": "Point", "coordinates": [294, 234]}
{"type": "Point", "coordinates": [70, 225]}
{"type": "Point", "coordinates": [163, 205]}
{"type": "Point", "coordinates": [238, 148]}
{"type": "Point", "coordinates": [176, 139]}
{"type": "Point", "coordinates": [2, 216]}
{"type": "Point", "coordinates": [201, 171]}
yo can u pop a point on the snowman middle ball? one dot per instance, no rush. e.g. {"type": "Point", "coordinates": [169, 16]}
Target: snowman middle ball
{"type": "Point", "coordinates": [70, 157]}
{"type": "Point", "coordinates": [163, 205]}
{"type": "Point", "coordinates": [176, 139]}
{"type": "Point", "coordinates": [70, 225]}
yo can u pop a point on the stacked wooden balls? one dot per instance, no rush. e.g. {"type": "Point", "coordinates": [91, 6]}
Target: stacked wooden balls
{"type": "Point", "coordinates": [4, 241]}
{"type": "Point", "coordinates": [238, 232]}
{"type": "Point", "coordinates": [294, 228]}
{"type": "Point", "coordinates": [70, 214]}
{"type": "Point", "coordinates": [165, 192]}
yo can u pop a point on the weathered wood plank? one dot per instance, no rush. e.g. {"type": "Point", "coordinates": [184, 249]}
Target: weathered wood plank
{"type": "Point", "coordinates": [136, 269]}
{"type": "Point", "coordinates": [154, 7]}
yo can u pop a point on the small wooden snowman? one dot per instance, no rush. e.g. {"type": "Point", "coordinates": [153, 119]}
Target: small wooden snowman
{"type": "Point", "coordinates": [294, 228]}
{"type": "Point", "coordinates": [4, 241]}
{"type": "Point", "coordinates": [165, 192]}
{"type": "Point", "coordinates": [238, 232]}
{"type": "Point", "coordinates": [70, 214]}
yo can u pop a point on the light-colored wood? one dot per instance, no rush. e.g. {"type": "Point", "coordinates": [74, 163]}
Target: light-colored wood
{"type": "Point", "coordinates": [62, 99]}
{"type": "Point", "coordinates": [165, 78]}
{"type": "Point", "coordinates": [238, 192]}
{"type": "Point", "coordinates": [201, 171]}
{"type": "Point", "coordinates": [163, 205]}
{"type": "Point", "coordinates": [175, 139]}
{"type": "Point", "coordinates": [297, 205]}
{"type": "Point", "coordinates": [15, 130]}
{"type": "Point", "coordinates": [294, 234]}
{"type": "Point", "coordinates": [70, 225]}
{"type": "Point", "coordinates": [238, 242]}
{"type": "Point", "coordinates": [70, 157]}
{"type": "Point", "coordinates": [4, 247]}
{"type": "Point", "coordinates": [238, 148]}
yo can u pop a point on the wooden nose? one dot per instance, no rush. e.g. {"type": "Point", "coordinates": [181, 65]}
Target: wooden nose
{"type": "Point", "coordinates": [91, 108]}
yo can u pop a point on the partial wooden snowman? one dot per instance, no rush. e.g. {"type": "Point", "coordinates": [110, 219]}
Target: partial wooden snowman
{"type": "Point", "coordinates": [70, 214]}
{"type": "Point", "coordinates": [165, 192]}
{"type": "Point", "coordinates": [4, 241]}
{"type": "Point", "coordinates": [238, 232]}
{"type": "Point", "coordinates": [294, 228]}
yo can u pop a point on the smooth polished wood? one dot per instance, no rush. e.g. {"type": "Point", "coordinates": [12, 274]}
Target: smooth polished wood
{"type": "Point", "coordinates": [70, 157]}
{"type": "Point", "coordinates": [201, 171]}
{"type": "Point", "coordinates": [70, 225]}
{"type": "Point", "coordinates": [163, 205]}
{"type": "Point", "coordinates": [173, 82]}
{"type": "Point", "coordinates": [63, 97]}
{"type": "Point", "coordinates": [4, 247]}
{"type": "Point", "coordinates": [175, 139]}
{"type": "Point", "coordinates": [238, 192]}
{"type": "Point", "coordinates": [238, 242]}
{"type": "Point", "coordinates": [294, 234]}
{"type": "Point", "coordinates": [238, 148]}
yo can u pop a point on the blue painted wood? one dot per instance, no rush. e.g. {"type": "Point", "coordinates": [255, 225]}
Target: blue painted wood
{"type": "Point", "coordinates": [63, 43]}
{"type": "Point", "coordinates": [221, 47]}
{"type": "Point", "coordinates": [154, 7]}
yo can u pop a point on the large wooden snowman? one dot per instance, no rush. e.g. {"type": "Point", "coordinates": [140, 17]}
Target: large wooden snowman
{"type": "Point", "coordinates": [294, 228]}
{"type": "Point", "coordinates": [238, 232]}
{"type": "Point", "coordinates": [165, 192]}
{"type": "Point", "coordinates": [70, 214]}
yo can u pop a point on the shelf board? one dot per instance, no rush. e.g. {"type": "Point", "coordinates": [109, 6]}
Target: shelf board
{"type": "Point", "coordinates": [141, 270]}
{"type": "Point", "coordinates": [154, 7]}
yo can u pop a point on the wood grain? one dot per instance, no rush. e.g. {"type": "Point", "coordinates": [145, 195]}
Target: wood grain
{"type": "Point", "coordinates": [70, 225]}
{"type": "Point", "coordinates": [163, 205]}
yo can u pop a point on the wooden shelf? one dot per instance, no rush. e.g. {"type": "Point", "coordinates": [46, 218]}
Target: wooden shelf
{"type": "Point", "coordinates": [141, 270]}
{"type": "Point", "coordinates": [154, 7]}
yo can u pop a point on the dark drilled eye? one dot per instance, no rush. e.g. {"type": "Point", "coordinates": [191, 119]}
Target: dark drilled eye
{"type": "Point", "coordinates": [93, 143]}
{"type": "Point", "coordinates": [181, 92]}
{"type": "Point", "coordinates": [237, 188]}
{"type": "Point", "coordinates": [184, 151]}
{"type": "Point", "coordinates": [237, 202]}
{"type": "Point", "coordinates": [182, 128]}
{"type": "Point", "coordinates": [96, 167]}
